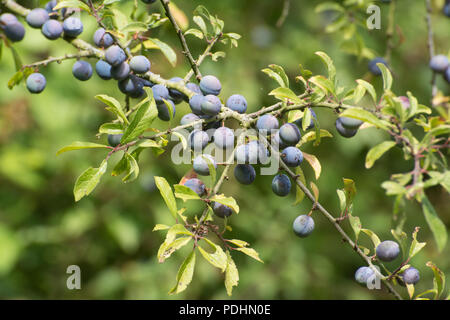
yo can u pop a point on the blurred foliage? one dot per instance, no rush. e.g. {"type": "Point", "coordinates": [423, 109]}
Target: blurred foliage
{"type": "Point", "coordinates": [109, 234]}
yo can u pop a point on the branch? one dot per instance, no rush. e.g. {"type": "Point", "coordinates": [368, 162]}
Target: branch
{"type": "Point", "coordinates": [202, 57]}
{"type": "Point", "coordinates": [284, 13]}
{"type": "Point", "coordinates": [336, 225]}
{"type": "Point", "coordinates": [186, 51]}
{"type": "Point", "coordinates": [430, 45]}
{"type": "Point", "coordinates": [45, 62]}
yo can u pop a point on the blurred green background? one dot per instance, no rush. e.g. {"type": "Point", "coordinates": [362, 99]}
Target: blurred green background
{"type": "Point", "coordinates": [109, 234]}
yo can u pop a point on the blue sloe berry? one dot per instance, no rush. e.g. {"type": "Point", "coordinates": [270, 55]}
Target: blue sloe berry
{"type": "Point", "coordinates": [163, 110]}
{"type": "Point", "coordinates": [103, 69]}
{"type": "Point", "coordinates": [303, 226]}
{"type": "Point", "coordinates": [244, 173]}
{"type": "Point", "coordinates": [73, 27]}
{"type": "Point", "coordinates": [289, 134]}
{"type": "Point", "coordinates": [281, 185]}
{"type": "Point", "coordinates": [224, 138]}
{"type": "Point", "coordinates": [114, 139]}
{"type": "Point", "coordinates": [102, 38]}
{"type": "Point", "coordinates": [210, 85]}
{"type": "Point", "coordinates": [52, 29]}
{"type": "Point", "coordinates": [211, 105]}
{"type": "Point", "coordinates": [292, 156]}
{"type": "Point", "coordinates": [140, 64]}
{"type": "Point", "coordinates": [114, 55]}
{"type": "Point", "coordinates": [37, 17]}
{"type": "Point", "coordinates": [387, 250]}
{"type": "Point", "coordinates": [237, 103]}
{"type": "Point", "coordinates": [221, 210]}
{"type": "Point", "coordinates": [200, 164]}
{"type": "Point", "coordinates": [36, 83]}
{"type": "Point", "coordinates": [196, 185]}
{"type": "Point", "coordinates": [82, 70]}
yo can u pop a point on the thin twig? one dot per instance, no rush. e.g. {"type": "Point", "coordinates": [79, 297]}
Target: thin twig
{"type": "Point", "coordinates": [430, 44]}
{"type": "Point", "coordinates": [202, 57]}
{"type": "Point", "coordinates": [284, 13]}
{"type": "Point", "coordinates": [186, 50]}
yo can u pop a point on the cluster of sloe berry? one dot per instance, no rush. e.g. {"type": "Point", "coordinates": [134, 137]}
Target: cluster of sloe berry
{"type": "Point", "coordinates": [387, 251]}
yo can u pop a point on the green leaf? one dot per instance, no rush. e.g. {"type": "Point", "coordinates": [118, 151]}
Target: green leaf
{"type": "Point", "coordinates": [144, 117]}
{"type": "Point", "coordinates": [251, 253]}
{"type": "Point", "coordinates": [19, 76]}
{"type": "Point", "coordinates": [185, 193]}
{"type": "Point", "coordinates": [369, 87]}
{"type": "Point", "coordinates": [78, 145]}
{"type": "Point", "coordinates": [438, 281]}
{"type": "Point", "coordinates": [387, 76]}
{"type": "Point", "coordinates": [160, 227]}
{"type": "Point", "coordinates": [167, 194]}
{"type": "Point", "coordinates": [314, 163]}
{"type": "Point", "coordinates": [416, 246]}
{"type": "Point", "coordinates": [195, 32]}
{"type": "Point", "coordinates": [311, 136]}
{"type": "Point", "coordinates": [364, 115]}
{"type": "Point", "coordinates": [306, 120]}
{"type": "Point", "coordinates": [376, 152]}
{"type": "Point", "coordinates": [133, 171]}
{"type": "Point", "coordinates": [231, 275]}
{"type": "Point", "coordinates": [285, 93]}
{"type": "Point", "coordinates": [218, 258]}
{"type": "Point", "coordinates": [355, 223]}
{"type": "Point", "coordinates": [375, 240]}
{"type": "Point", "coordinates": [88, 180]}
{"type": "Point", "coordinates": [342, 200]}
{"type": "Point", "coordinates": [72, 4]}
{"type": "Point", "coordinates": [435, 223]}
{"type": "Point", "coordinates": [201, 24]}
{"type": "Point", "coordinates": [185, 273]}
{"type": "Point", "coordinates": [299, 194]}
{"type": "Point", "coordinates": [182, 138]}
{"type": "Point", "coordinates": [329, 63]}
{"type": "Point", "coordinates": [166, 249]}
{"type": "Point", "coordinates": [324, 84]}
{"type": "Point", "coordinates": [228, 201]}
{"type": "Point", "coordinates": [350, 190]}
{"type": "Point", "coordinates": [329, 6]}
{"type": "Point", "coordinates": [278, 74]}
{"type": "Point", "coordinates": [239, 243]}
{"type": "Point", "coordinates": [111, 128]}
{"type": "Point", "coordinates": [135, 26]}
{"type": "Point", "coordinates": [113, 106]}
{"type": "Point", "coordinates": [166, 50]}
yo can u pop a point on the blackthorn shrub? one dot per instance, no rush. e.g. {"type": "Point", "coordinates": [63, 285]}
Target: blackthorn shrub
{"type": "Point", "coordinates": [121, 50]}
